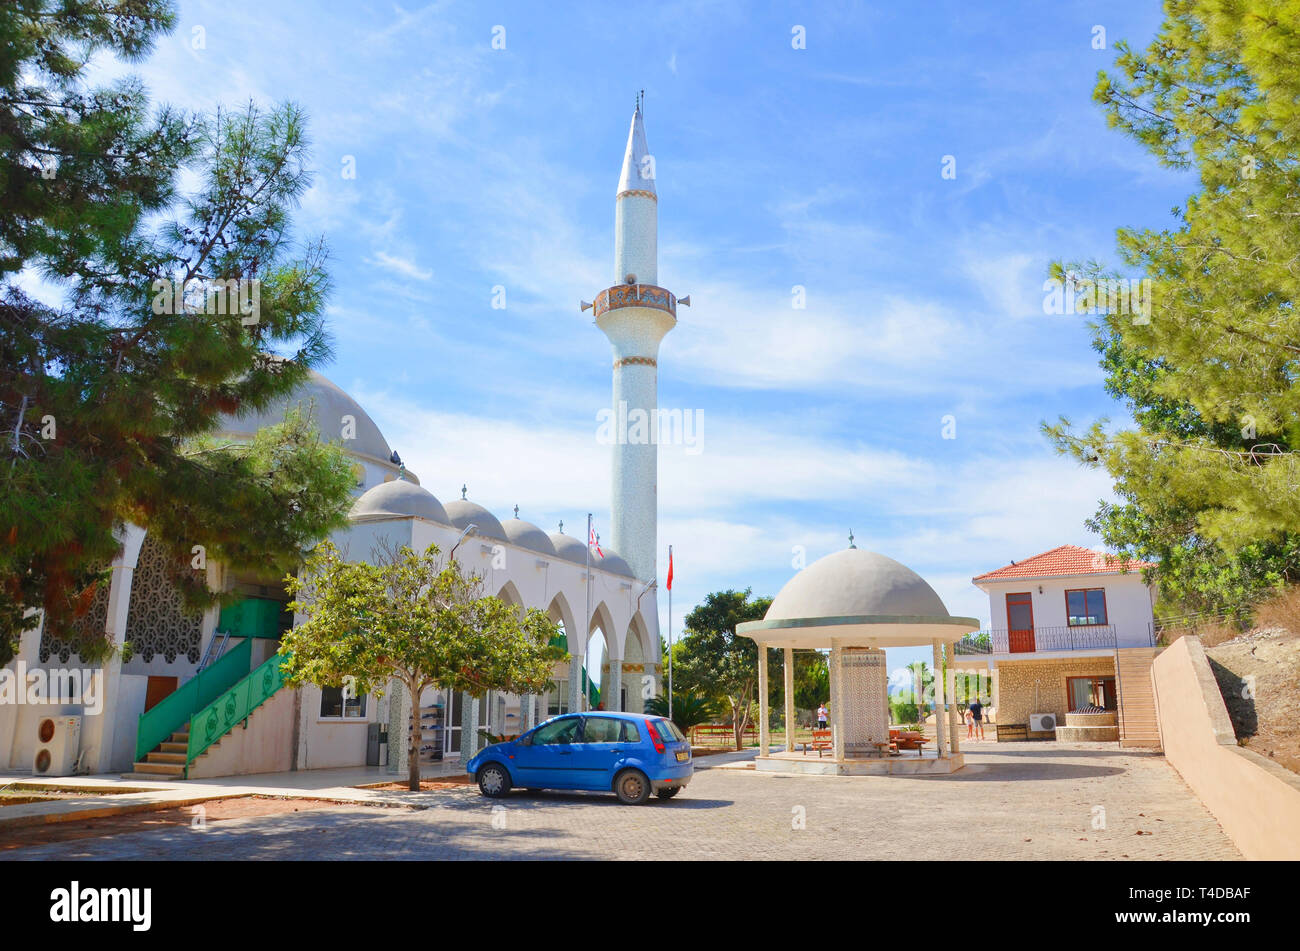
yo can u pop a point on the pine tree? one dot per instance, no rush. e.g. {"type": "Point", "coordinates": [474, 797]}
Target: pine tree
{"type": "Point", "coordinates": [173, 309]}
{"type": "Point", "coordinates": [1210, 478]}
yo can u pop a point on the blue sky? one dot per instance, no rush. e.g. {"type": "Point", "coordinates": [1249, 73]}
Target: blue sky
{"type": "Point", "coordinates": [776, 167]}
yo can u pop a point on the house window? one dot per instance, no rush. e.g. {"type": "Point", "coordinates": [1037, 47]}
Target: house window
{"type": "Point", "coordinates": [1091, 693]}
{"type": "Point", "coordinates": [334, 706]}
{"type": "Point", "coordinates": [1085, 607]}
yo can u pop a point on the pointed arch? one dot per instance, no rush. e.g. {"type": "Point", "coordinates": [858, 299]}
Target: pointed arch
{"type": "Point", "coordinates": [636, 643]}
{"type": "Point", "coordinates": [510, 595]}
{"type": "Point", "coordinates": [560, 612]}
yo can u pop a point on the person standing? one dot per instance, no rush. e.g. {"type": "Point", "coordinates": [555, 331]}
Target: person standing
{"type": "Point", "coordinates": [977, 712]}
{"type": "Point", "coordinates": [821, 717]}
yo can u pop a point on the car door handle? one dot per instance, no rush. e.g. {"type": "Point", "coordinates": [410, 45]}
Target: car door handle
{"type": "Point", "coordinates": [616, 751]}
{"type": "Point", "coordinates": [566, 752]}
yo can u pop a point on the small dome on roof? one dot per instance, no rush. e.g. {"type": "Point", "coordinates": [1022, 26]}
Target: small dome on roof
{"type": "Point", "coordinates": [612, 562]}
{"type": "Point", "coordinates": [399, 499]}
{"type": "Point", "coordinates": [568, 548]}
{"type": "Point", "coordinates": [462, 513]}
{"type": "Point", "coordinates": [527, 535]}
{"type": "Point", "coordinates": [853, 583]}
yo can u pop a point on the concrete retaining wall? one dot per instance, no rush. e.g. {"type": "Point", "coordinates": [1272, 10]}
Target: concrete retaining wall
{"type": "Point", "coordinates": [1256, 802]}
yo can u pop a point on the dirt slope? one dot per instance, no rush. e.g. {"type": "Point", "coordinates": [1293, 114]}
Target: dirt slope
{"type": "Point", "coordinates": [1266, 718]}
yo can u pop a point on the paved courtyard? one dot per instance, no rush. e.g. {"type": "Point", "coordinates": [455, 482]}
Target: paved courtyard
{"type": "Point", "coordinates": [1013, 801]}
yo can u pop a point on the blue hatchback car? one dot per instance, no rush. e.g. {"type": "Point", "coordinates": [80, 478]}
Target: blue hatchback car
{"type": "Point", "coordinates": [629, 753]}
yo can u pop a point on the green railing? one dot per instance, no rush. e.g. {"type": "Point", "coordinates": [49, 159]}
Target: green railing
{"type": "Point", "coordinates": [177, 708]}
{"type": "Point", "coordinates": [225, 712]}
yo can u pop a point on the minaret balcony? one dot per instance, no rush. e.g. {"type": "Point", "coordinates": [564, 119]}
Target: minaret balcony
{"type": "Point", "coordinates": [635, 295]}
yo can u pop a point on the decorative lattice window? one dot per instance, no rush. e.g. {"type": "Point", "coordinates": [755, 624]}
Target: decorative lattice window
{"type": "Point", "coordinates": [90, 626]}
{"type": "Point", "coordinates": [157, 622]}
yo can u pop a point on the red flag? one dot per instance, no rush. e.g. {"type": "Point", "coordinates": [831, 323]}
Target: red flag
{"type": "Point", "coordinates": [670, 569]}
{"type": "Point", "coordinates": [595, 542]}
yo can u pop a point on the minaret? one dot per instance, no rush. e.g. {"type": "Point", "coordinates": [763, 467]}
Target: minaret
{"type": "Point", "coordinates": [635, 314]}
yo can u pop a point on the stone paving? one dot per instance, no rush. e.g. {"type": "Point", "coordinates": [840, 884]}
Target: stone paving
{"type": "Point", "coordinates": [1014, 801]}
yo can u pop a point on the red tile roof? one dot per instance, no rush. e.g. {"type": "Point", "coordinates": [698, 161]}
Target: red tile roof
{"type": "Point", "coordinates": [1064, 560]}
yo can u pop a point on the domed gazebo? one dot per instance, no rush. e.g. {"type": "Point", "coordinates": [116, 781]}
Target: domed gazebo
{"type": "Point", "coordinates": [856, 603]}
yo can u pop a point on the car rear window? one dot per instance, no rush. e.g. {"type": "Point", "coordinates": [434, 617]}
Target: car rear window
{"type": "Point", "coordinates": [668, 729]}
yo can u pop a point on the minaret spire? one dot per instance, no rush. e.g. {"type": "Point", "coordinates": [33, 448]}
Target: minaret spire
{"type": "Point", "coordinates": [635, 313]}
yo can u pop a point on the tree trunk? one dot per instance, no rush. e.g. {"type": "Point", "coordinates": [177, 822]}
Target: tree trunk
{"type": "Point", "coordinates": [413, 758]}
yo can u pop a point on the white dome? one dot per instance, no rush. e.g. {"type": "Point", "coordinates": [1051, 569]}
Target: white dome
{"type": "Point", "coordinates": [399, 499]}
{"type": "Point", "coordinates": [327, 405]}
{"type": "Point", "coordinates": [527, 535]}
{"type": "Point", "coordinates": [612, 562]}
{"type": "Point", "coordinates": [568, 548]}
{"type": "Point", "coordinates": [463, 512]}
{"type": "Point", "coordinates": [856, 583]}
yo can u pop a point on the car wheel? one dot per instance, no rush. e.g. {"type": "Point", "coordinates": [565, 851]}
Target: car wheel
{"type": "Point", "coordinates": [668, 792]}
{"type": "Point", "coordinates": [632, 786]}
{"type": "Point", "coordinates": [493, 781]}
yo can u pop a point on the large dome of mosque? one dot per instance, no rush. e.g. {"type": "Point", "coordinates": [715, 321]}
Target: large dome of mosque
{"type": "Point", "coordinates": [856, 583]}
{"type": "Point", "coordinates": [398, 499]}
{"type": "Point", "coordinates": [327, 405]}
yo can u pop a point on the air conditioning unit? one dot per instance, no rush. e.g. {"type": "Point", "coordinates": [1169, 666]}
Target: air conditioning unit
{"type": "Point", "coordinates": [58, 741]}
{"type": "Point", "coordinates": [1042, 722]}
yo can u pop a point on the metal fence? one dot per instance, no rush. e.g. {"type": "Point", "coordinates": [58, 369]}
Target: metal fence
{"type": "Point", "coordinates": [1091, 637]}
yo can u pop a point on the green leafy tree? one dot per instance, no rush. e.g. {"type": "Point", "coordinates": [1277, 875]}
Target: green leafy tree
{"type": "Point", "coordinates": [1209, 480]}
{"type": "Point", "coordinates": [712, 661]}
{"type": "Point", "coordinates": [689, 710]}
{"type": "Point", "coordinates": [416, 619]}
{"type": "Point", "coordinates": [173, 307]}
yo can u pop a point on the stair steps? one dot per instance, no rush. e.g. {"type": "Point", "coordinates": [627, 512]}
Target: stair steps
{"type": "Point", "coordinates": [1138, 723]}
{"type": "Point", "coordinates": [166, 762]}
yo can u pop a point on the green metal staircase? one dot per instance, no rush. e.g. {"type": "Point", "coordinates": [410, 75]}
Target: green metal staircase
{"type": "Point", "coordinates": [182, 727]}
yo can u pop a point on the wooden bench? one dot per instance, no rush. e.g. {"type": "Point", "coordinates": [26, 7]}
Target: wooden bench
{"type": "Point", "coordinates": [1011, 731]}
{"type": "Point", "coordinates": [705, 732]}
{"type": "Point", "coordinates": [821, 740]}
{"type": "Point", "coordinates": [909, 740]}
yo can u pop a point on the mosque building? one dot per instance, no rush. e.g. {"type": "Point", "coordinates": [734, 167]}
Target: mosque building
{"type": "Point", "coordinates": [200, 696]}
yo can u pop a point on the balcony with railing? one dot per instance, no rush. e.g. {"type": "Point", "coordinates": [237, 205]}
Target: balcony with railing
{"type": "Point", "coordinates": [1040, 640]}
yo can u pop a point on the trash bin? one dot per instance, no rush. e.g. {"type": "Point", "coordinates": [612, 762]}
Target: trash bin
{"type": "Point", "coordinates": [383, 746]}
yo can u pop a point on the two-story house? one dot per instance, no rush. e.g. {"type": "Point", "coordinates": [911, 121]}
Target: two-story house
{"type": "Point", "coordinates": [1070, 648]}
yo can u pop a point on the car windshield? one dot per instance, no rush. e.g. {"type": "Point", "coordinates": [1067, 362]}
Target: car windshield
{"type": "Point", "coordinates": [668, 730]}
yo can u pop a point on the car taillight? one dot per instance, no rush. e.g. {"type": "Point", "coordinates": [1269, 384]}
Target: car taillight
{"type": "Point", "coordinates": [654, 737]}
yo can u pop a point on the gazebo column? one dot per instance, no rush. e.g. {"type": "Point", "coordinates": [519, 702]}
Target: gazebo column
{"type": "Point", "coordinates": [950, 691]}
{"type": "Point", "coordinates": [789, 699]}
{"type": "Point", "coordinates": [993, 689]}
{"type": "Point", "coordinates": [939, 712]}
{"type": "Point", "coordinates": [837, 699]}
{"type": "Point", "coordinates": [763, 738]}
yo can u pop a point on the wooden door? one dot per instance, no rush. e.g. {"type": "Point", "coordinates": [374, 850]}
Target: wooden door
{"type": "Point", "coordinates": [157, 689]}
{"type": "Point", "coordinates": [1020, 623]}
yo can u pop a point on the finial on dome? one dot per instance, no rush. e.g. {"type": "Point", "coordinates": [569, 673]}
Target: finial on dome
{"type": "Point", "coordinates": [463, 490]}
{"type": "Point", "coordinates": [561, 526]}
{"type": "Point", "coordinates": [851, 545]}
{"type": "Point", "coordinates": [516, 511]}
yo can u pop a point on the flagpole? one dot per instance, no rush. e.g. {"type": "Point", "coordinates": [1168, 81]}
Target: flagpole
{"type": "Point", "coordinates": [670, 637]}
{"type": "Point", "coordinates": [586, 627]}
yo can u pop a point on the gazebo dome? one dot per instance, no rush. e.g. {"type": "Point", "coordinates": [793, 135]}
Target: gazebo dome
{"type": "Point", "coordinates": [462, 513]}
{"type": "Point", "coordinates": [328, 405]}
{"type": "Point", "coordinates": [398, 499]}
{"type": "Point", "coordinates": [568, 548]}
{"type": "Point", "coordinates": [527, 535]}
{"type": "Point", "coordinates": [855, 582]}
